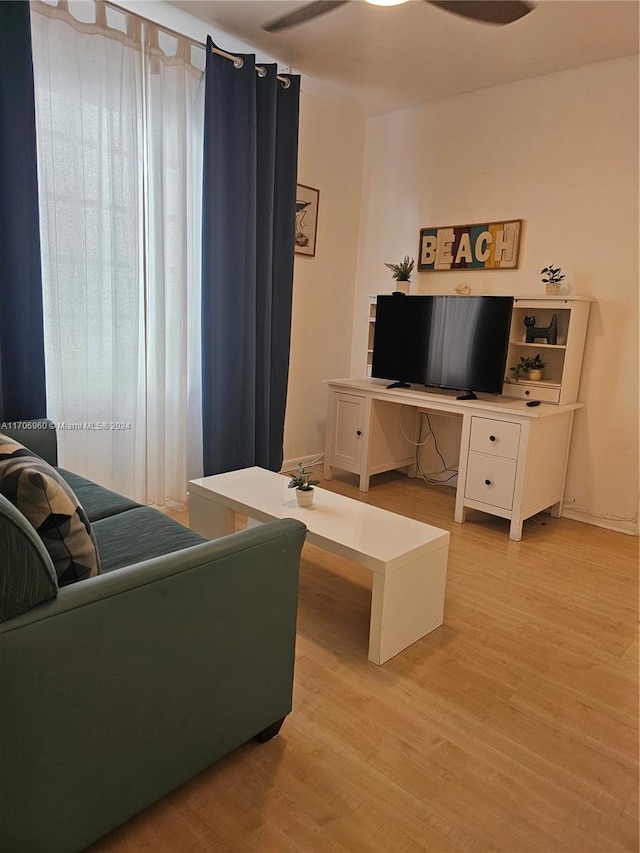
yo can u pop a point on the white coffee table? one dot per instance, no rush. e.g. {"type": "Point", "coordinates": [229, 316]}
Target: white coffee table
{"type": "Point", "coordinates": [408, 558]}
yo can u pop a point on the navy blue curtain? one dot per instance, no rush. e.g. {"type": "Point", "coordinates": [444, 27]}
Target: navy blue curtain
{"type": "Point", "coordinates": [22, 373]}
{"type": "Point", "coordinates": [249, 194]}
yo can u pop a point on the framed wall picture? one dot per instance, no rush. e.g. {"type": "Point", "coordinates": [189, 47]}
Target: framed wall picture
{"type": "Point", "coordinates": [307, 199]}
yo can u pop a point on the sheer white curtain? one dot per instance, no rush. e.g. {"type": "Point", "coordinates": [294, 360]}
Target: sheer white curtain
{"type": "Point", "coordinates": [118, 111]}
{"type": "Point", "coordinates": [174, 98]}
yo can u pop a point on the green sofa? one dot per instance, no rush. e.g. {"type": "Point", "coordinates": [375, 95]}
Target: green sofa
{"type": "Point", "coordinates": [122, 686]}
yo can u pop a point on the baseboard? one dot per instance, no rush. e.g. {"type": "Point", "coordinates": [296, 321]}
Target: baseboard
{"type": "Point", "coordinates": [617, 525]}
{"type": "Point", "coordinates": [307, 461]}
{"type": "Point", "coordinates": [630, 528]}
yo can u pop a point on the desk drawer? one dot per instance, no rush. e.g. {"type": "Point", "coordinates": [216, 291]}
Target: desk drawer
{"type": "Point", "coordinates": [497, 438]}
{"type": "Point", "coordinates": [490, 480]}
{"type": "Point", "coordinates": [532, 392]}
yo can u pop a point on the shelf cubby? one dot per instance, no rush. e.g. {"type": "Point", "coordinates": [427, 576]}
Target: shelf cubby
{"type": "Point", "coordinates": [563, 360]}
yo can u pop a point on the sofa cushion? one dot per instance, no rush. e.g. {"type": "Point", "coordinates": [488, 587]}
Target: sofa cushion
{"type": "Point", "coordinates": [97, 501]}
{"type": "Point", "coordinates": [27, 576]}
{"type": "Point", "coordinates": [50, 506]}
{"type": "Point", "coordinates": [140, 534]}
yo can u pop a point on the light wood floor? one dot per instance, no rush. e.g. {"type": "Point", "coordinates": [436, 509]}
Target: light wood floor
{"type": "Point", "coordinates": [513, 727]}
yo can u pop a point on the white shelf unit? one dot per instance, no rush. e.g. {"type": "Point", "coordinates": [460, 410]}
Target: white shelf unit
{"type": "Point", "coordinates": [370, 333]}
{"type": "Point", "coordinates": [563, 360]}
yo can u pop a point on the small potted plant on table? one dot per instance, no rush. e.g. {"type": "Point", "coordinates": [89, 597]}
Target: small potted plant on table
{"type": "Point", "coordinates": [301, 482]}
{"type": "Point", "coordinates": [402, 273]}
{"type": "Point", "coordinates": [529, 368]}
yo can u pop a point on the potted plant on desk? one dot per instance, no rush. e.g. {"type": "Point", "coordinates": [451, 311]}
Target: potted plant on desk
{"type": "Point", "coordinates": [528, 368]}
{"type": "Point", "coordinates": [303, 485]}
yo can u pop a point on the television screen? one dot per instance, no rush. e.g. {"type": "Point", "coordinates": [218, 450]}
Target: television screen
{"type": "Point", "coordinates": [457, 342]}
{"type": "Point", "coordinates": [391, 353]}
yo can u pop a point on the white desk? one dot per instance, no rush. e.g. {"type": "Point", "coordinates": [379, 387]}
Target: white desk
{"type": "Point", "coordinates": [408, 558]}
{"type": "Point", "coordinates": [513, 458]}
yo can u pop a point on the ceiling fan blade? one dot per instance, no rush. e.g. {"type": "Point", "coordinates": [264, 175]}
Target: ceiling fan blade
{"type": "Point", "coordinates": [306, 13]}
{"type": "Point", "coordinates": [488, 11]}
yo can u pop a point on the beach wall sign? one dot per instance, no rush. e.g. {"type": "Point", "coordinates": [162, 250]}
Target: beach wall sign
{"type": "Point", "coordinates": [484, 246]}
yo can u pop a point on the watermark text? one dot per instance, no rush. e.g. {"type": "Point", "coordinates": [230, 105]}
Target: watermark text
{"type": "Point", "coordinates": [79, 426]}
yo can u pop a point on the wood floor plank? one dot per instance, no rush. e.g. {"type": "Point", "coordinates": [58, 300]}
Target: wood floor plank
{"type": "Point", "coordinates": [512, 728]}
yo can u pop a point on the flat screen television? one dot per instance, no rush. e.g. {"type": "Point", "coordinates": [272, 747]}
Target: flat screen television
{"type": "Point", "coordinates": [455, 342]}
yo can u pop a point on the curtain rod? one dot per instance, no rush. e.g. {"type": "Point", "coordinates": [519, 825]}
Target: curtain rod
{"type": "Point", "coordinates": [238, 61]}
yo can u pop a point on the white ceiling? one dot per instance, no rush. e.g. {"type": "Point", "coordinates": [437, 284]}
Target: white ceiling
{"type": "Point", "coordinates": [384, 59]}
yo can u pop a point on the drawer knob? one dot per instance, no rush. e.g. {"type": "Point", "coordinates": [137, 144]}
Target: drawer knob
{"type": "Point", "coordinates": [492, 438]}
{"type": "Point", "coordinates": [358, 432]}
{"type": "Point", "coordinates": [487, 482]}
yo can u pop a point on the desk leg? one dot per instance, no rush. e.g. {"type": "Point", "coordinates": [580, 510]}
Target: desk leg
{"type": "Point", "coordinates": [209, 518]}
{"type": "Point", "coordinates": [515, 529]}
{"type": "Point", "coordinates": [556, 509]}
{"type": "Point", "coordinates": [364, 482]}
{"type": "Point", "coordinates": [460, 513]}
{"type": "Point", "coordinates": [406, 604]}
{"type": "Point", "coordinates": [327, 473]}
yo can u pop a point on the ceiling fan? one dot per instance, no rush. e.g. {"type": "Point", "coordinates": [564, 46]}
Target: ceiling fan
{"type": "Point", "coordinates": [488, 11]}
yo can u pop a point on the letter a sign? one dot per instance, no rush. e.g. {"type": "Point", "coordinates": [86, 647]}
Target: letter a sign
{"type": "Point", "coordinates": [488, 246]}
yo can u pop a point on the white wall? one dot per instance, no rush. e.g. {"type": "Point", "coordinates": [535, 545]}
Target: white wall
{"type": "Point", "coordinates": [331, 153]}
{"type": "Point", "coordinates": [560, 152]}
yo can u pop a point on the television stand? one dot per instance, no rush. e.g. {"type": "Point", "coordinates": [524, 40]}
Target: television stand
{"type": "Point", "coordinates": [469, 395]}
{"type": "Point", "coordinates": [513, 459]}
{"type": "Point", "coordinates": [399, 385]}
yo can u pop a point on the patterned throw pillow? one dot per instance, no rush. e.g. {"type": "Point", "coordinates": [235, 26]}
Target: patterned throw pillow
{"type": "Point", "coordinates": [51, 507]}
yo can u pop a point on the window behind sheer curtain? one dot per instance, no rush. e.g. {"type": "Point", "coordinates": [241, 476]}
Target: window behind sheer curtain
{"type": "Point", "coordinates": [119, 118]}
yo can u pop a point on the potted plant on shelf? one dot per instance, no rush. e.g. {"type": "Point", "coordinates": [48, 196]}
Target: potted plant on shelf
{"type": "Point", "coordinates": [402, 273]}
{"type": "Point", "coordinates": [303, 485]}
{"type": "Point", "coordinates": [552, 280]}
{"type": "Point", "coordinates": [528, 368]}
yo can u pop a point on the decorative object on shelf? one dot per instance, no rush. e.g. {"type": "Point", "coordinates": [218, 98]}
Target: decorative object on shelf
{"type": "Point", "coordinates": [553, 279]}
{"type": "Point", "coordinates": [303, 485]}
{"type": "Point", "coordinates": [528, 368]}
{"type": "Point", "coordinates": [402, 273]}
{"type": "Point", "coordinates": [307, 200]}
{"type": "Point", "coordinates": [491, 245]}
{"type": "Point", "coordinates": [547, 333]}
{"type": "Point", "coordinates": [462, 289]}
